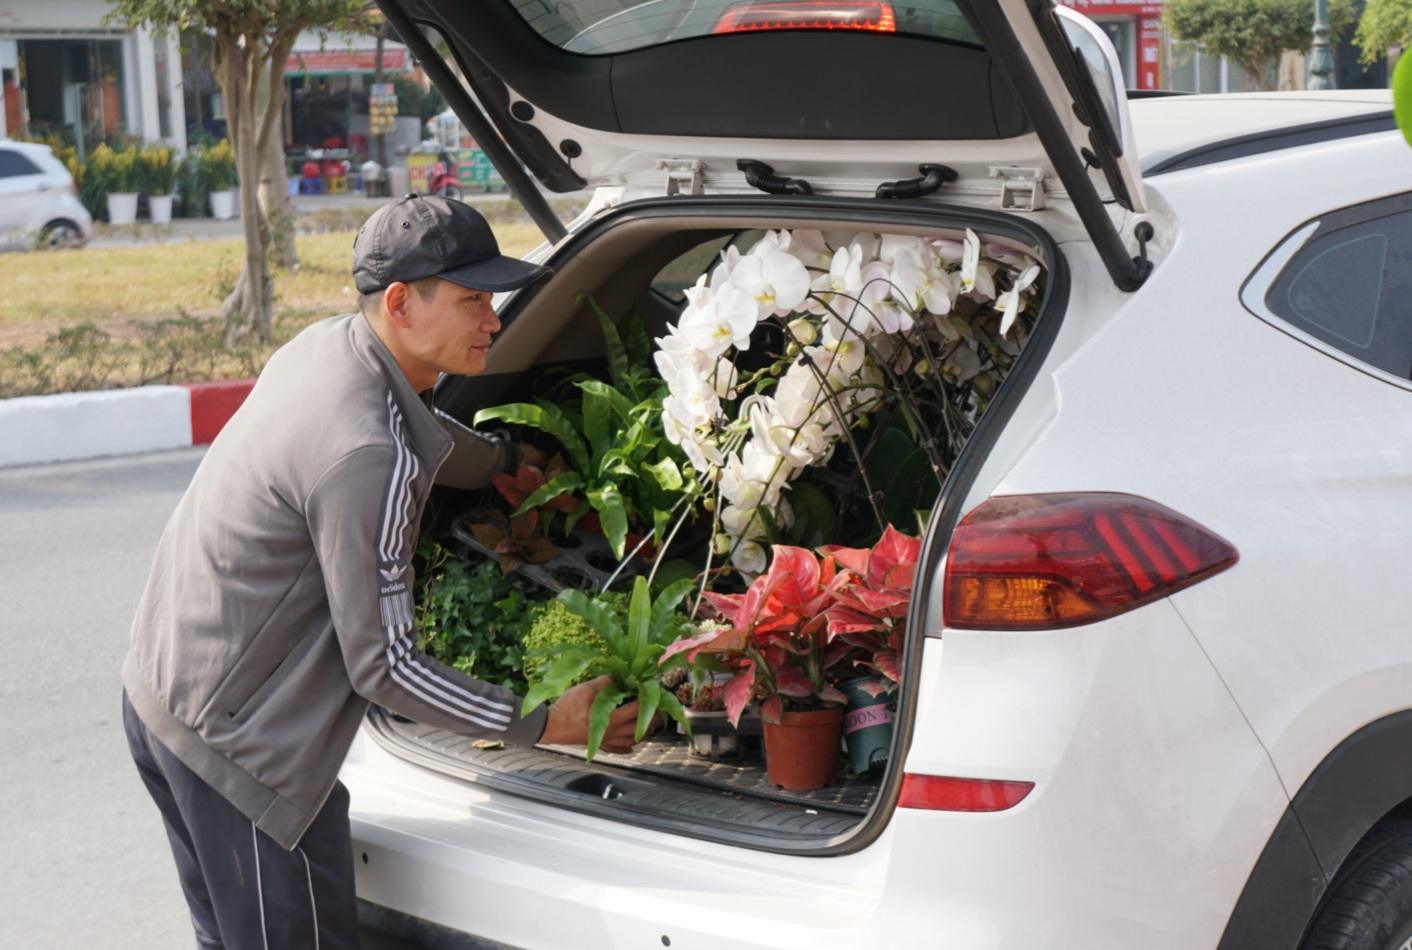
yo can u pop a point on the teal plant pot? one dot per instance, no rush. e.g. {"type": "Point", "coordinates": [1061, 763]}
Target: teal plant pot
{"type": "Point", "coordinates": [867, 725]}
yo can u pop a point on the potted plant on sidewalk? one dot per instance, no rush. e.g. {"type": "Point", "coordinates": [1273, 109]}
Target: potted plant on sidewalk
{"type": "Point", "coordinates": [119, 175]}
{"type": "Point", "coordinates": [159, 181]}
{"type": "Point", "coordinates": [218, 162]}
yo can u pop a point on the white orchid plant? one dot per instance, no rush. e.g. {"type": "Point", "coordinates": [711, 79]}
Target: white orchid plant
{"type": "Point", "coordinates": [927, 326]}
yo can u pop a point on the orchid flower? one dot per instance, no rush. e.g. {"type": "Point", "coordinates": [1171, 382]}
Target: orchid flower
{"type": "Point", "coordinates": [963, 364]}
{"type": "Point", "coordinates": [726, 320]}
{"type": "Point", "coordinates": [970, 261]}
{"type": "Point", "coordinates": [730, 257]}
{"type": "Point", "coordinates": [845, 276]}
{"type": "Point", "coordinates": [891, 246]}
{"type": "Point", "coordinates": [776, 281]}
{"type": "Point", "coordinates": [884, 312]}
{"type": "Point", "coordinates": [838, 360]}
{"type": "Point", "coordinates": [808, 247]}
{"type": "Point", "coordinates": [1008, 303]}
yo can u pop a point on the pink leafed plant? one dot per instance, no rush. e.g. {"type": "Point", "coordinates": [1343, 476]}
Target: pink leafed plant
{"type": "Point", "coordinates": [809, 622]}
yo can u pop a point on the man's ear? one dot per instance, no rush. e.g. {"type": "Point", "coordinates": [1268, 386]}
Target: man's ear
{"type": "Point", "coordinates": [394, 303]}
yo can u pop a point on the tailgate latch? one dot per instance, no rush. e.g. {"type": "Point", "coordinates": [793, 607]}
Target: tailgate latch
{"type": "Point", "coordinates": [684, 175]}
{"type": "Point", "coordinates": [1021, 187]}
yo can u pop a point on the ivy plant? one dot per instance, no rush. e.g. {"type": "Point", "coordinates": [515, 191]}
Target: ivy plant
{"type": "Point", "coordinates": [471, 617]}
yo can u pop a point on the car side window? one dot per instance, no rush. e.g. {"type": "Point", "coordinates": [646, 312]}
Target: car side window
{"type": "Point", "coordinates": [13, 164]}
{"type": "Point", "coordinates": [1350, 285]}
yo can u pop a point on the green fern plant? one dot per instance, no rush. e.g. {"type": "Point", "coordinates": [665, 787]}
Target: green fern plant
{"type": "Point", "coordinates": [619, 455]}
{"type": "Point", "coordinates": [630, 647]}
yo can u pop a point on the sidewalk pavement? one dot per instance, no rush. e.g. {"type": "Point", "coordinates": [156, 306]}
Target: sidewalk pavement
{"type": "Point", "coordinates": [66, 427]}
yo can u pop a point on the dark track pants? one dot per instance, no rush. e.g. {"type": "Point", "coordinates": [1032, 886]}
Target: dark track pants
{"type": "Point", "coordinates": [244, 890]}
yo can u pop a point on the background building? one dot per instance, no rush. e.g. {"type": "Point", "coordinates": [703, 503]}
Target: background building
{"type": "Point", "coordinates": [64, 71]}
{"type": "Point", "coordinates": [1136, 32]}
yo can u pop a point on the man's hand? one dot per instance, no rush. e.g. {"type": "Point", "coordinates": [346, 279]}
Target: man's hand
{"type": "Point", "coordinates": [568, 719]}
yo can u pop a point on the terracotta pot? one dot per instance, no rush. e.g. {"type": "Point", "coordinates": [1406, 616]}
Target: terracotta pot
{"type": "Point", "coordinates": [801, 751]}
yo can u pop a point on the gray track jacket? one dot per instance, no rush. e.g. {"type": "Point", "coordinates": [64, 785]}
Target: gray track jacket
{"type": "Point", "coordinates": [280, 600]}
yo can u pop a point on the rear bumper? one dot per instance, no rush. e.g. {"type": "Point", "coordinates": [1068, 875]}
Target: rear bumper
{"type": "Point", "coordinates": [1152, 802]}
{"type": "Point", "coordinates": [529, 876]}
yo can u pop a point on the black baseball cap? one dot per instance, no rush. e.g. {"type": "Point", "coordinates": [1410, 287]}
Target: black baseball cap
{"type": "Point", "coordinates": [427, 236]}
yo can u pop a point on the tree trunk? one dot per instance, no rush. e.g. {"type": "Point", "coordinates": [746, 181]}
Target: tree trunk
{"type": "Point", "coordinates": [250, 307]}
{"type": "Point", "coordinates": [380, 138]}
{"type": "Point", "coordinates": [274, 186]}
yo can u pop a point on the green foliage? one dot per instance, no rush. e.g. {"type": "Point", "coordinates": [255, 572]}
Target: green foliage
{"type": "Point", "coordinates": [158, 170]}
{"type": "Point", "coordinates": [191, 184]}
{"type": "Point", "coordinates": [125, 172]}
{"type": "Point", "coordinates": [1402, 96]}
{"type": "Point", "coordinates": [84, 357]}
{"type": "Point", "coordinates": [218, 166]}
{"type": "Point", "coordinates": [1252, 33]}
{"type": "Point", "coordinates": [557, 628]}
{"type": "Point", "coordinates": [239, 17]}
{"type": "Point", "coordinates": [632, 641]}
{"type": "Point", "coordinates": [1383, 25]}
{"type": "Point", "coordinates": [612, 435]}
{"type": "Point", "coordinates": [412, 99]}
{"type": "Point", "coordinates": [471, 617]}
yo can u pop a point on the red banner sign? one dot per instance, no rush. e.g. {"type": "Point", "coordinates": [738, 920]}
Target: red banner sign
{"type": "Point", "coordinates": [344, 61]}
{"type": "Point", "coordinates": [1094, 8]}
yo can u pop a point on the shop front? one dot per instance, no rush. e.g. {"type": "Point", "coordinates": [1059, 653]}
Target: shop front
{"type": "Point", "coordinates": [64, 72]}
{"type": "Point", "coordinates": [1136, 32]}
{"type": "Point", "coordinates": [329, 78]}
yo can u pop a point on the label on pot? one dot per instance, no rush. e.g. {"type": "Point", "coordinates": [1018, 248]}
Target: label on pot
{"type": "Point", "coordinates": [875, 715]}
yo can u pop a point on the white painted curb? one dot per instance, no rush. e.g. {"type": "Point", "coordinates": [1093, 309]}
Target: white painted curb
{"type": "Point", "coordinates": [69, 426]}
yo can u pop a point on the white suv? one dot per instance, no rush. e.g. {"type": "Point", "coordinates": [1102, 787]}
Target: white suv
{"type": "Point", "coordinates": [1206, 444]}
{"type": "Point", "coordinates": [38, 200]}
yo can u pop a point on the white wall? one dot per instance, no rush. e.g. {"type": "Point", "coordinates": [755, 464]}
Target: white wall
{"type": "Point", "coordinates": [25, 18]}
{"type": "Point", "coordinates": [54, 15]}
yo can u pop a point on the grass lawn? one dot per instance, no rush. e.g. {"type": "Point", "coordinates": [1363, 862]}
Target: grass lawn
{"type": "Point", "coordinates": [109, 317]}
{"type": "Point", "coordinates": [105, 284]}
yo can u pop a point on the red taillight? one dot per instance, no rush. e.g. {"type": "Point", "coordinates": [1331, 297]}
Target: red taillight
{"type": "Point", "coordinates": [1039, 562]}
{"type": "Point", "coordinates": [944, 793]}
{"type": "Point", "coordinates": [875, 16]}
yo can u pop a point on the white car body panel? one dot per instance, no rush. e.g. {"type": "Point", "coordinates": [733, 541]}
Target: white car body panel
{"type": "Point", "coordinates": [1328, 462]}
{"type": "Point", "coordinates": [1165, 744]}
{"type": "Point", "coordinates": [30, 202]}
{"type": "Point", "coordinates": [610, 158]}
{"type": "Point", "coordinates": [1131, 742]}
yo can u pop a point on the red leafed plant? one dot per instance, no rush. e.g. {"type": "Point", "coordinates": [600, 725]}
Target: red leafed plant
{"type": "Point", "coordinates": [869, 609]}
{"type": "Point", "coordinates": [776, 640]}
{"type": "Point", "coordinates": [528, 479]}
{"type": "Point", "coordinates": [809, 622]}
{"type": "Point", "coordinates": [515, 539]}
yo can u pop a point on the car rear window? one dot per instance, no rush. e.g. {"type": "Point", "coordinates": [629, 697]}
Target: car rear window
{"type": "Point", "coordinates": [1351, 285]}
{"type": "Point", "coordinates": [601, 27]}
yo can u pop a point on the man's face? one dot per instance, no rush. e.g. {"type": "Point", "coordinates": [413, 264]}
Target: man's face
{"type": "Point", "coordinates": [451, 329]}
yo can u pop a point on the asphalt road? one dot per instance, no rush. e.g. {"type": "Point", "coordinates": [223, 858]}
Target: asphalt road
{"type": "Point", "coordinates": [84, 861]}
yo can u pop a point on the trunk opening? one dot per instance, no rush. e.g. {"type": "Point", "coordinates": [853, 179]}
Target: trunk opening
{"type": "Point", "coordinates": [637, 258]}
